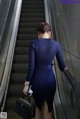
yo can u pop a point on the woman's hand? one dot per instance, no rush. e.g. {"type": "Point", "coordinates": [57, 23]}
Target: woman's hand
{"type": "Point", "coordinates": [66, 68]}
{"type": "Point", "coordinates": [26, 87]}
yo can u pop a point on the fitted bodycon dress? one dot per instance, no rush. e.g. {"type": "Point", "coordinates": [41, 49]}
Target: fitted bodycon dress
{"type": "Point", "coordinates": [40, 72]}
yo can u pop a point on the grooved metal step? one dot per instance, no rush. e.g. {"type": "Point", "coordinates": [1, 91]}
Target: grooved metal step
{"type": "Point", "coordinates": [32, 10]}
{"type": "Point", "coordinates": [26, 36]}
{"type": "Point", "coordinates": [23, 43]}
{"type": "Point", "coordinates": [12, 115]}
{"type": "Point", "coordinates": [16, 90]}
{"type": "Point", "coordinates": [20, 58]}
{"type": "Point", "coordinates": [18, 78]}
{"type": "Point", "coordinates": [31, 15]}
{"type": "Point", "coordinates": [27, 30]}
{"type": "Point", "coordinates": [31, 24]}
{"type": "Point", "coordinates": [20, 67]}
{"type": "Point", "coordinates": [33, 20]}
{"type": "Point", "coordinates": [21, 50]}
{"type": "Point", "coordinates": [33, 6]}
{"type": "Point", "coordinates": [11, 103]}
{"type": "Point", "coordinates": [33, 2]}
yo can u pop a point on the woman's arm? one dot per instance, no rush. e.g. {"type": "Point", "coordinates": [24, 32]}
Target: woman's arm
{"type": "Point", "coordinates": [60, 58]}
{"type": "Point", "coordinates": [31, 65]}
{"type": "Point", "coordinates": [31, 68]}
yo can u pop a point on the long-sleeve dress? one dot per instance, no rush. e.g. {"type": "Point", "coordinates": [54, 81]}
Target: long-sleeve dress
{"type": "Point", "coordinates": [40, 72]}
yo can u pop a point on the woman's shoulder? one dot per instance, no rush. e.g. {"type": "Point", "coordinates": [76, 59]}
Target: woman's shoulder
{"type": "Point", "coordinates": [54, 42]}
{"type": "Point", "coordinates": [33, 43]}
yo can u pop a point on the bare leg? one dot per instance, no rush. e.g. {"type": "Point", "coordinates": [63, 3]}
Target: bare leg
{"type": "Point", "coordinates": [47, 114]}
{"type": "Point", "coordinates": [38, 113]}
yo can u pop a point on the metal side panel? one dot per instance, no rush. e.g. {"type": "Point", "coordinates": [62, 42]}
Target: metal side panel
{"type": "Point", "coordinates": [10, 52]}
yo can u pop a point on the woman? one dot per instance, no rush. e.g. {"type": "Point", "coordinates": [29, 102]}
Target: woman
{"type": "Point", "coordinates": [40, 72]}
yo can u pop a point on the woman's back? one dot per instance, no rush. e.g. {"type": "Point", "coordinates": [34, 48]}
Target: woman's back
{"type": "Point", "coordinates": [45, 50]}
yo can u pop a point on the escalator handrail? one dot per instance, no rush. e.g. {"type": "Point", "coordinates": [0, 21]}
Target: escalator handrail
{"type": "Point", "coordinates": [5, 80]}
{"type": "Point", "coordinates": [67, 73]}
{"type": "Point", "coordinates": [4, 18]}
{"type": "Point", "coordinates": [74, 84]}
{"type": "Point", "coordinates": [70, 78]}
{"type": "Point", "coordinates": [0, 2]}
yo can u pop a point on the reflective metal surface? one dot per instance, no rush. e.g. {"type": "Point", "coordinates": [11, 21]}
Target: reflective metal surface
{"type": "Point", "coordinates": [6, 39]}
{"type": "Point", "coordinates": [65, 18]}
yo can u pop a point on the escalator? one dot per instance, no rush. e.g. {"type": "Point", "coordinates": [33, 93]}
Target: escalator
{"type": "Point", "coordinates": [32, 13]}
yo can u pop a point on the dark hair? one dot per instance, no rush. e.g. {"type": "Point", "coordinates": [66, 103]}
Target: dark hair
{"type": "Point", "coordinates": [43, 27]}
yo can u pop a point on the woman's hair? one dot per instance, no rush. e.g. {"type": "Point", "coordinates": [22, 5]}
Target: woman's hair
{"type": "Point", "coordinates": [43, 27]}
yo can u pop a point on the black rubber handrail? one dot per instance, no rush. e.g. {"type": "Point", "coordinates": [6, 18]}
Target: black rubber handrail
{"type": "Point", "coordinates": [76, 90]}
{"type": "Point", "coordinates": [74, 84]}
{"type": "Point", "coordinates": [70, 78]}
{"type": "Point", "coordinates": [5, 4]}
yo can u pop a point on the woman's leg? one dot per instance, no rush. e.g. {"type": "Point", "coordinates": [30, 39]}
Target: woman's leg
{"type": "Point", "coordinates": [47, 114]}
{"type": "Point", "coordinates": [38, 113]}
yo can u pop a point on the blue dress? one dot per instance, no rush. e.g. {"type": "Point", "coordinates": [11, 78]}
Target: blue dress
{"type": "Point", "coordinates": [40, 72]}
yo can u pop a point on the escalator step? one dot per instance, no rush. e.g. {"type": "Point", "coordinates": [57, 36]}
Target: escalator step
{"type": "Point", "coordinates": [31, 15]}
{"type": "Point", "coordinates": [21, 50]}
{"type": "Point", "coordinates": [23, 43]}
{"type": "Point", "coordinates": [19, 67]}
{"type": "Point", "coordinates": [11, 103]}
{"type": "Point", "coordinates": [32, 6]}
{"type": "Point", "coordinates": [18, 78]}
{"type": "Point", "coordinates": [12, 114]}
{"type": "Point", "coordinates": [26, 36]}
{"type": "Point", "coordinates": [33, 2]}
{"type": "Point", "coordinates": [16, 90]}
{"type": "Point", "coordinates": [32, 20]}
{"type": "Point", "coordinates": [32, 10]}
{"type": "Point", "coordinates": [20, 58]}
{"type": "Point", "coordinates": [32, 24]}
{"type": "Point", "coordinates": [27, 30]}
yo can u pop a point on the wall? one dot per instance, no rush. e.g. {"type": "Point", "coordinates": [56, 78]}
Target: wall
{"type": "Point", "coordinates": [67, 18]}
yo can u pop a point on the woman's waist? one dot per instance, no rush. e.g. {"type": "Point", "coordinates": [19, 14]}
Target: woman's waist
{"type": "Point", "coordinates": [44, 67]}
